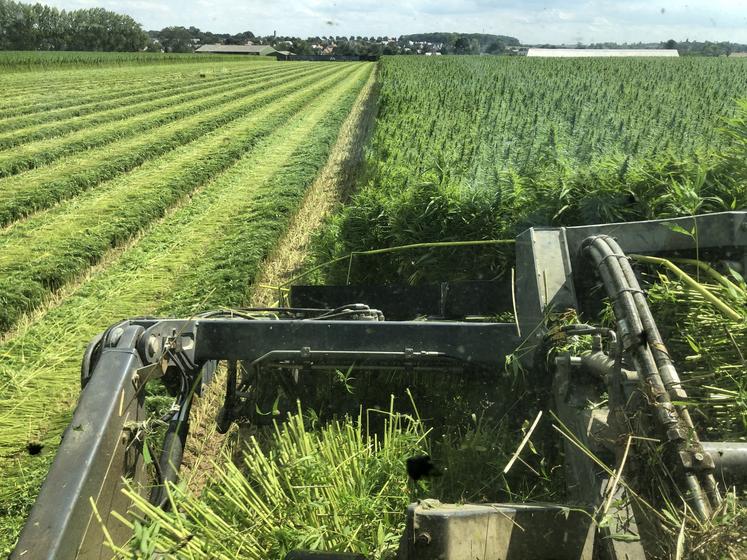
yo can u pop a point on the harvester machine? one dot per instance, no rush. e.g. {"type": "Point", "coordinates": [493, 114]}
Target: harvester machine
{"type": "Point", "coordinates": [435, 330]}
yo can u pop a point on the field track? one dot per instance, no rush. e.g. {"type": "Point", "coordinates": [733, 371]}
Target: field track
{"type": "Point", "coordinates": [185, 223]}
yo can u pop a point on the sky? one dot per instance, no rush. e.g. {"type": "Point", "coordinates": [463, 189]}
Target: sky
{"type": "Point", "coordinates": [532, 21]}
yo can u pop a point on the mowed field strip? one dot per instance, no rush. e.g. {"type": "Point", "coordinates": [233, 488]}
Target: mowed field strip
{"type": "Point", "coordinates": [118, 95]}
{"type": "Point", "coordinates": [38, 188]}
{"type": "Point", "coordinates": [38, 125]}
{"type": "Point", "coordinates": [42, 253]}
{"type": "Point", "coordinates": [33, 154]}
{"type": "Point", "coordinates": [189, 226]}
{"type": "Point", "coordinates": [30, 92]}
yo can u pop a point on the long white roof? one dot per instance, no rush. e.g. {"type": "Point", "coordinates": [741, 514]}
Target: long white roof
{"type": "Point", "coordinates": [600, 52]}
{"type": "Point", "coordinates": [220, 48]}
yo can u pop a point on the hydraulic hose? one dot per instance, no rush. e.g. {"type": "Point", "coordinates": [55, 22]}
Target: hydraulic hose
{"type": "Point", "coordinates": [643, 343]}
{"type": "Point", "coordinates": [667, 371]}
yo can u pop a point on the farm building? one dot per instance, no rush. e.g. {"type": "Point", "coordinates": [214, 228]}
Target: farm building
{"type": "Point", "coordinates": [256, 50]}
{"type": "Point", "coordinates": [569, 53]}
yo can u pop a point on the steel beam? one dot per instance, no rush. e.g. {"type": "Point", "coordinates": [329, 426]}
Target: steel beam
{"type": "Point", "coordinates": [477, 344]}
{"type": "Point", "coordinates": [497, 532]}
{"type": "Point", "coordinates": [96, 452]}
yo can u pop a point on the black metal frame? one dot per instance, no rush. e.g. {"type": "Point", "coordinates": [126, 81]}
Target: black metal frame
{"type": "Point", "coordinates": [98, 448]}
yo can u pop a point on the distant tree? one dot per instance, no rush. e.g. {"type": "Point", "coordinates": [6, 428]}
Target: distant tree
{"type": "Point", "coordinates": [345, 48]}
{"type": "Point", "coordinates": [302, 47]}
{"type": "Point", "coordinates": [390, 49]}
{"type": "Point", "coordinates": [153, 45]}
{"type": "Point", "coordinates": [48, 28]}
{"type": "Point", "coordinates": [671, 44]}
{"type": "Point", "coordinates": [17, 26]}
{"type": "Point", "coordinates": [97, 29]}
{"type": "Point", "coordinates": [373, 49]}
{"type": "Point", "coordinates": [496, 47]}
{"type": "Point", "coordinates": [175, 39]}
{"type": "Point", "coordinates": [40, 27]}
{"type": "Point", "coordinates": [6, 11]}
{"type": "Point", "coordinates": [711, 49]}
{"type": "Point", "coordinates": [241, 38]}
{"type": "Point", "coordinates": [461, 46]}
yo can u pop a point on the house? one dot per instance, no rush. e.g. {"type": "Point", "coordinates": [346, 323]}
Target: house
{"type": "Point", "coordinates": [570, 53]}
{"type": "Point", "coordinates": [255, 50]}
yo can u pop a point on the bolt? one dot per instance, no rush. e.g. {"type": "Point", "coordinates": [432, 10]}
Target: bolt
{"type": "Point", "coordinates": [699, 457]}
{"type": "Point", "coordinates": [423, 538]}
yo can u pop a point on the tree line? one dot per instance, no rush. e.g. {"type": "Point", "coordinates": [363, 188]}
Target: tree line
{"type": "Point", "coordinates": [185, 39]}
{"type": "Point", "coordinates": [29, 27]}
{"type": "Point", "coordinates": [706, 48]}
{"type": "Point", "coordinates": [685, 48]}
{"type": "Point", "coordinates": [32, 27]}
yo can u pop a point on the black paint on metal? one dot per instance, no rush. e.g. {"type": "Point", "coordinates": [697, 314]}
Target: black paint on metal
{"type": "Point", "coordinates": [478, 344]}
{"type": "Point", "coordinates": [401, 303]}
{"type": "Point", "coordinates": [96, 452]}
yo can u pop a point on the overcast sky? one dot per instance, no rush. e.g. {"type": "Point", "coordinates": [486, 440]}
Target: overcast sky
{"type": "Point", "coordinates": [532, 21]}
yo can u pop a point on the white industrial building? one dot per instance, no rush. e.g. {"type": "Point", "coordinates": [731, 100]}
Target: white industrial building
{"type": "Point", "coordinates": [570, 53]}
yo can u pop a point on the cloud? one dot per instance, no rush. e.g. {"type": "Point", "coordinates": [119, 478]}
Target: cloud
{"type": "Point", "coordinates": [532, 21]}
